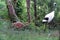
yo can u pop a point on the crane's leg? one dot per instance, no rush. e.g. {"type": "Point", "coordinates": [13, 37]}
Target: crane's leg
{"type": "Point", "coordinates": [44, 27]}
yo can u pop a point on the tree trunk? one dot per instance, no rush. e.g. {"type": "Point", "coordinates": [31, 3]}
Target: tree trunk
{"type": "Point", "coordinates": [11, 10]}
{"type": "Point", "coordinates": [16, 23]}
{"type": "Point", "coordinates": [28, 10]}
{"type": "Point", "coordinates": [35, 13]}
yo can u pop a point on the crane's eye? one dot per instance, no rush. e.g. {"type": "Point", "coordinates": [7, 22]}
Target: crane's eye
{"type": "Point", "coordinates": [54, 4]}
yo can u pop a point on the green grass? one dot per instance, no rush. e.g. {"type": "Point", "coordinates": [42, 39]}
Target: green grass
{"type": "Point", "coordinates": [10, 34]}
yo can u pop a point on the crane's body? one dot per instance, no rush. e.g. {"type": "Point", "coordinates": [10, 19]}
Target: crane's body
{"type": "Point", "coordinates": [49, 17]}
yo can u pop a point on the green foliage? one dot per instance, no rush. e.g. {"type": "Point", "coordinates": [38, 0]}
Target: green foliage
{"type": "Point", "coordinates": [18, 7]}
{"type": "Point", "coordinates": [21, 10]}
{"type": "Point", "coordinates": [32, 26]}
{"type": "Point", "coordinates": [24, 35]}
{"type": "Point", "coordinates": [3, 10]}
{"type": "Point", "coordinates": [1, 6]}
{"type": "Point", "coordinates": [43, 8]}
{"type": "Point", "coordinates": [10, 34]}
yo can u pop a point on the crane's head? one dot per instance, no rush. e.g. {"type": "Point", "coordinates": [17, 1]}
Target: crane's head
{"type": "Point", "coordinates": [54, 4]}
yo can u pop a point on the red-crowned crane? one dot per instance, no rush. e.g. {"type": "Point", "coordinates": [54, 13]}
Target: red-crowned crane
{"type": "Point", "coordinates": [50, 16]}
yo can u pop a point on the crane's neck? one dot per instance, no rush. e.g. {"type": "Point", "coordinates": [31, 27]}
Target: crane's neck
{"type": "Point", "coordinates": [53, 8]}
{"type": "Point", "coordinates": [53, 12]}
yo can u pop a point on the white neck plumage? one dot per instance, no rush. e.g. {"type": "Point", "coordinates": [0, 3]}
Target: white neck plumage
{"type": "Point", "coordinates": [53, 12]}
